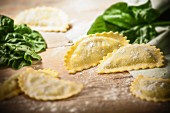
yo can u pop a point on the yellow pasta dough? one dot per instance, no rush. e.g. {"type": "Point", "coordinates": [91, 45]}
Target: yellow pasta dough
{"type": "Point", "coordinates": [9, 88]}
{"type": "Point", "coordinates": [44, 19]}
{"type": "Point", "coordinates": [88, 51]}
{"type": "Point", "coordinates": [131, 57]}
{"type": "Point", "coordinates": [40, 87]}
{"type": "Point", "coordinates": [151, 89]}
{"type": "Point", "coordinates": [49, 72]}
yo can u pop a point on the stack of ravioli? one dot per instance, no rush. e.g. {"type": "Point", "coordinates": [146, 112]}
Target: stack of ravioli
{"type": "Point", "coordinates": [113, 53]}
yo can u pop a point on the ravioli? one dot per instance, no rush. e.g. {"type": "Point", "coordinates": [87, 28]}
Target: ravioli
{"type": "Point", "coordinates": [131, 57]}
{"type": "Point", "coordinates": [40, 87]}
{"type": "Point", "coordinates": [44, 19]}
{"type": "Point", "coordinates": [88, 51]}
{"type": "Point", "coordinates": [151, 89]}
{"type": "Point", "coordinates": [10, 88]}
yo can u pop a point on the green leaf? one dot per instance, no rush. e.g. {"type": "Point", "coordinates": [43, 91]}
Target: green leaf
{"type": "Point", "coordinates": [159, 24]}
{"type": "Point", "coordinates": [6, 26]}
{"type": "Point", "coordinates": [36, 40]}
{"type": "Point", "coordinates": [6, 22]}
{"type": "Point", "coordinates": [143, 34]}
{"type": "Point", "coordinates": [144, 13]}
{"type": "Point", "coordinates": [120, 15]}
{"type": "Point", "coordinates": [22, 29]}
{"type": "Point", "coordinates": [100, 25]}
{"type": "Point", "coordinates": [136, 22]}
{"type": "Point", "coordinates": [20, 46]}
{"type": "Point", "coordinates": [17, 55]}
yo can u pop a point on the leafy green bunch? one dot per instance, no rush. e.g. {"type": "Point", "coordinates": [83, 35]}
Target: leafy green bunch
{"type": "Point", "coordinates": [136, 22]}
{"type": "Point", "coordinates": [19, 44]}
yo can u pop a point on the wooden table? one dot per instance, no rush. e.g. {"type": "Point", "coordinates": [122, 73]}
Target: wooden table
{"type": "Point", "coordinates": [108, 93]}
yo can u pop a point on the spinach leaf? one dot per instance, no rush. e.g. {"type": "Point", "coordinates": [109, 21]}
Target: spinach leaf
{"type": "Point", "coordinates": [17, 55]}
{"type": "Point", "coordinates": [22, 29]}
{"type": "Point", "coordinates": [36, 40]}
{"type": "Point", "coordinates": [19, 45]}
{"type": "Point", "coordinates": [6, 26]}
{"type": "Point", "coordinates": [136, 22]}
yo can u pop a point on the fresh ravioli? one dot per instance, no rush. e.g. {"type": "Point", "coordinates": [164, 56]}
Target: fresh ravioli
{"type": "Point", "coordinates": [88, 51]}
{"type": "Point", "coordinates": [9, 88]}
{"type": "Point", "coordinates": [131, 57]}
{"type": "Point", "coordinates": [41, 86]}
{"type": "Point", "coordinates": [44, 19]}
{"type": "Point", "coordinates": [151, 89]}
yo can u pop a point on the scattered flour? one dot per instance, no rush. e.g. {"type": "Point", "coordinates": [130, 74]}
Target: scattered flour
{"type": "Point", "coordinates": [113, 94]}
{"type": "Point", "coordinates": [87, 103]}
{"type": "Point", "coordinates": [73, 110]}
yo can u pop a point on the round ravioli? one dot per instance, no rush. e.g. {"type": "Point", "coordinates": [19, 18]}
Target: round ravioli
{"type": "Point", "coordinates": [44, 19]}
{"type": "Point", "coordinates": [151, 89]}
{"type": "Point", "coordinates": [131, 57]}
{"type": "Point", "coordinates": [41, 87]}
{"type": "Point", "coordinates": [88, 51]}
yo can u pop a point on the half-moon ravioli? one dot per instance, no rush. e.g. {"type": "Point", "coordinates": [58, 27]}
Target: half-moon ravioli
{"type": "Point", "coordinates": [131, 57]}
{"type": "Point", "coordinates": [37, 85]}
{"type": "Point", "coordinates": [88, 51]}
{"type": "Point", "coordinates": [151, 89]}
{"type": "Point", "coordinates": [44, 19]}
{"type": "Point", "coordinates": [9, 88]}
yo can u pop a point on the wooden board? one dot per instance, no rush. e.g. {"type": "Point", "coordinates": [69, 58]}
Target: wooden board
{"type": "Point", "coordinates": [106, 93]}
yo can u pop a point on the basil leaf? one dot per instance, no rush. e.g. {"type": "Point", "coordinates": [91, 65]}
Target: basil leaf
{"type": "Point", "coordinates": [136, 22]}
{"type": "Point", "coordinates": [120, 15]}
{"type": "Point", "coordinates": [100, 26]}
{"type": "Point", "coordinates": [143, 34]}
{"type": "Point", "coordinates": [144, 13]}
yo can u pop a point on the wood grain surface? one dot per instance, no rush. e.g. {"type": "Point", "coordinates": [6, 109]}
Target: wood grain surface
{"type": "Point", "coordinates": [108, 93]}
